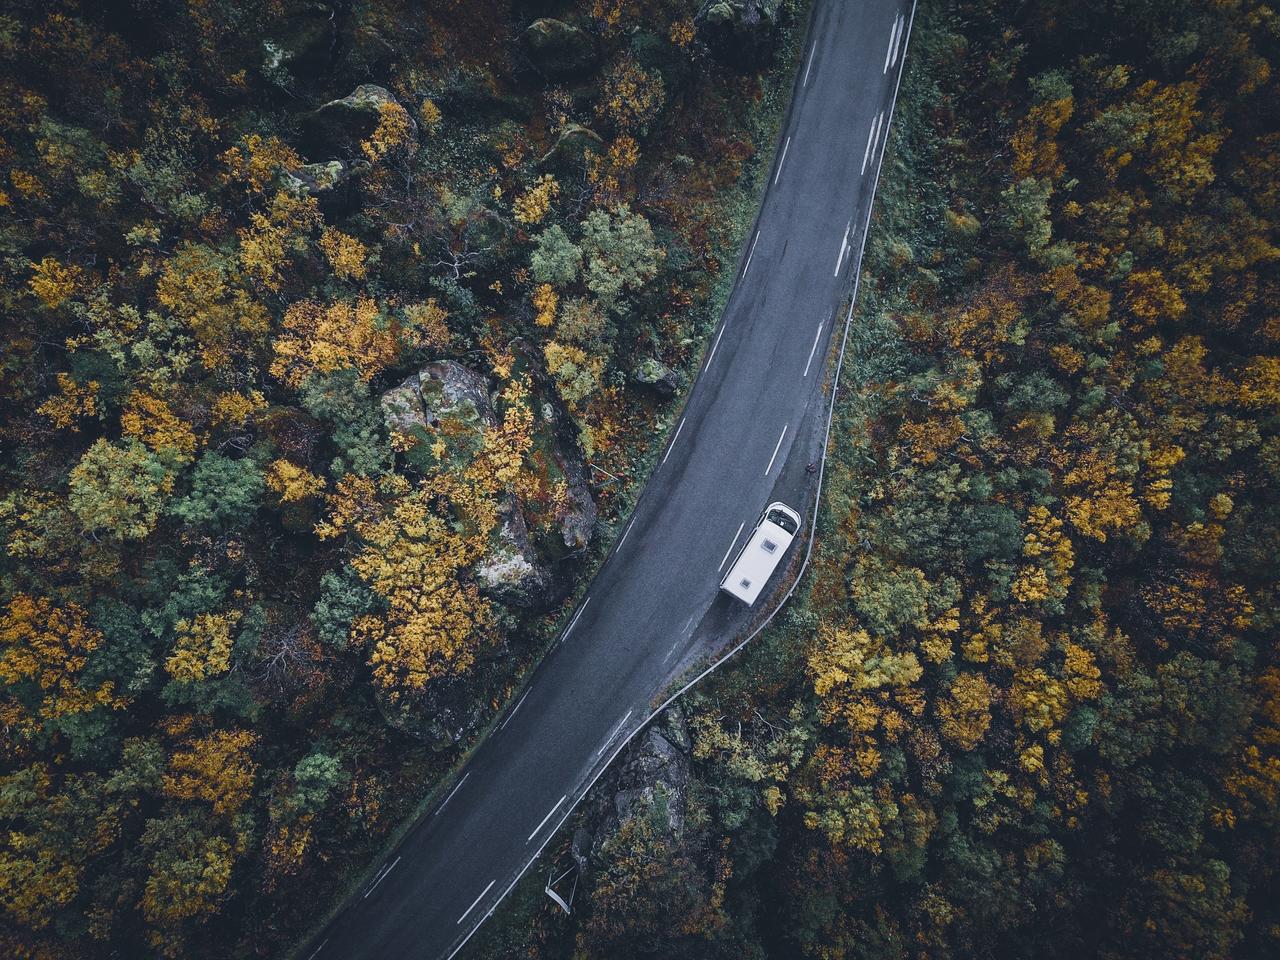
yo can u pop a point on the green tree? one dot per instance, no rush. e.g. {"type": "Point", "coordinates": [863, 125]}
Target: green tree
{"type": "Point", "coordinates": [343, 598]}
{"type": "Point", "coordinates": [1024, 213]}
{"type": "Point", "coordinates": [1184, 910]}
{"type": "Point", "coordinates": [556, 259]}
{"type": "Point", "coordinates": [316, 776]}
{"type": "Point", "coordinates": [118, 489]}
{"type": "Point", "coordinates": [621, 253]}
{"type": "Point", "coordinates": [224, 492]}
{"type": "Point", "coordinates": [189, 877]}
{"type": "Point", "coordinates": [343, 402]}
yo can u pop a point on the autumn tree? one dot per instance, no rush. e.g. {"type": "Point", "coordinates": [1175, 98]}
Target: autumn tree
{"type": "Point", "coordinates": [345, 335]}
{"type": "Point", "coordinates": [118, 489]}
{"type": "Point", "coordinates": [44, 652]}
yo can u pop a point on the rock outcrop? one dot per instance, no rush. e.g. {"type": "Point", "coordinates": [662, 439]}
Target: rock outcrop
{"type": "Point", "coordinates": [320, 179]}
{"type": "Point", "coordinates": [511, 571]}
{"type": "Point", "coordinates": [657, 377]}
{"type": "Point", "coordinates": [578, 527]}
{"type": "Point", "coordinates": [653, 770]}
{"type": "Point", "coordinates": [558, 50]}
{"type": "Point", "coordinates": [444, 400]}
{"type": "Point", "coordinates": [442, 716]}
{"type": "Point", "coordinates": [301, 45]}
{"type": "Point", "coordinates": [336, 128]}
{"type": "Point", "coordinates": [741, 33]}
{"type": "Point", "coordinates": [448, 402]}
{"type": "Point", "coordinates": [451, 390]}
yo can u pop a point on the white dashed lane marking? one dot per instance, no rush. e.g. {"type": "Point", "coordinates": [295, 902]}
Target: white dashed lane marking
{"type": "Point", "coordinates": [813, 349]}
{"type": "Point", "coordinates": [731, 545]}
{"type": "Point", "coordinates": [776, 448]}
{"type": "Point", "coordinates": [893, 42]}
{"type": "Point", "coordinates": [546, 818]}
{"type": "Point", "coordinates": [670, 448]}
{"type": "Point", "coordinates": [872, 136]}
{"type": "Point", "coordinates": [613, 734]}
{"type": "Point", "coordinates": [751, 254]}
{"type": "Point", "coordinates": [476, 900]}
{"type": "Point", "coordinates": [516, 707]}
{"type": "Point", "coordinates": [450, 796]}
{"type": "Point", "coordinates": [574, 622]}
{"type": "Point", "coordinates": [785, 147]}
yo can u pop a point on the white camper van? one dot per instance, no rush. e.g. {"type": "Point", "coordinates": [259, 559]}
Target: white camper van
{"type": "Point", "coordinates": [762, 553]}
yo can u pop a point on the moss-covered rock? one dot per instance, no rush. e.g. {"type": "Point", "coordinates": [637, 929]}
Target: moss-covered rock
{"type": "Point", "coordinates": [558, 50]}
{"type": "Point", "coordinates": [320, 179]}
{"type": "Point", "coordinates": [443, 402]}
{"type": "Point", "coordinates": [658, 377]}
{"type": "Point", "coordinates": [511, 571]}
{"type": "Point", "coordinates": [301, 45]}
{"type": "Point", "coordinates": [651, 779]}
{"type": "Point", "coordinates": [578, 526]}
{"type": "Point", "coordinates": [336, 128]}
{"type": "Point", "coordinates": [440, 414]}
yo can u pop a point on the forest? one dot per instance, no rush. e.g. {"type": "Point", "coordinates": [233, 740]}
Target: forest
{"type": "Point", "coordinates": [1027, 701]}
{"type": "Point", "coordinates": [339, 336]}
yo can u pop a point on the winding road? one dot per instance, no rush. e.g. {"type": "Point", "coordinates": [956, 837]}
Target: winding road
{"type": "Point", "coordinates": [758, 413]}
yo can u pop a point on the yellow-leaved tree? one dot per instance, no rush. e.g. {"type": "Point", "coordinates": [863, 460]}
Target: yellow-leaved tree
{"type": "Point", "coordinates": [217, 769]}
{"type": "Point", "coordinates": [415, 547]}
{"type": "Point", "coordinates": [203, 647]}
{"type": "Point", "coordinates": [292, 483]}
{"type": "Point", "coordinates": [43, 652]}
{"type": "Point", "coordinates": [346, 334]}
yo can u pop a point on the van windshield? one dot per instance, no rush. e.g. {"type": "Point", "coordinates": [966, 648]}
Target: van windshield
{"type": "Point", "coordinates": [782, 520]}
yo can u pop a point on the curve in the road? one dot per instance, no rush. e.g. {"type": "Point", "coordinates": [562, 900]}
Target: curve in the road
{"type": "Point", "coordinates": [756, 403]}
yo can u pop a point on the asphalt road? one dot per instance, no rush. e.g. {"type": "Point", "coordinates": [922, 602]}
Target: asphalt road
{"type": "Point", "coordinates": [755, 417]}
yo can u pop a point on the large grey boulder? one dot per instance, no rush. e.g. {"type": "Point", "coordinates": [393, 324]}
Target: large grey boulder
{"type": "Point", "coordinates": [337, 128]}
{"type": "Point", "coordinates": [511, 571]}
{"type": "Point", "coordinates": [741, 33]}
{"type": "Point", "coordinates": [578, 526]}
{"type": "Point", "coordinates": [442, 716]}
{"type": "Point", "coordinates": [451, 391]}
{"type": "Point", "coordinates": [558, 50]}
{"type": "Point", "coordinates": [320, 179]}
{"type": "Point", "coordinates": [446, 401]}
{"type": "Point", "coordinates": [654, 772]}
{"type": "Point", "coordinates": [402, 411]}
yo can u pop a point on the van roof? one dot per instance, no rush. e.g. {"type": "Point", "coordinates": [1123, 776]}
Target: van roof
{"type": "Point", "coordinates": [760, 556]}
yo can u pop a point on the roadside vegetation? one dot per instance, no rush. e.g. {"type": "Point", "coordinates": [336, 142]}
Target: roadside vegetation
{"type": "Point", "coordinates": [336, 337]}
{"type": "Point", "coordinates": [1028, 701]}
